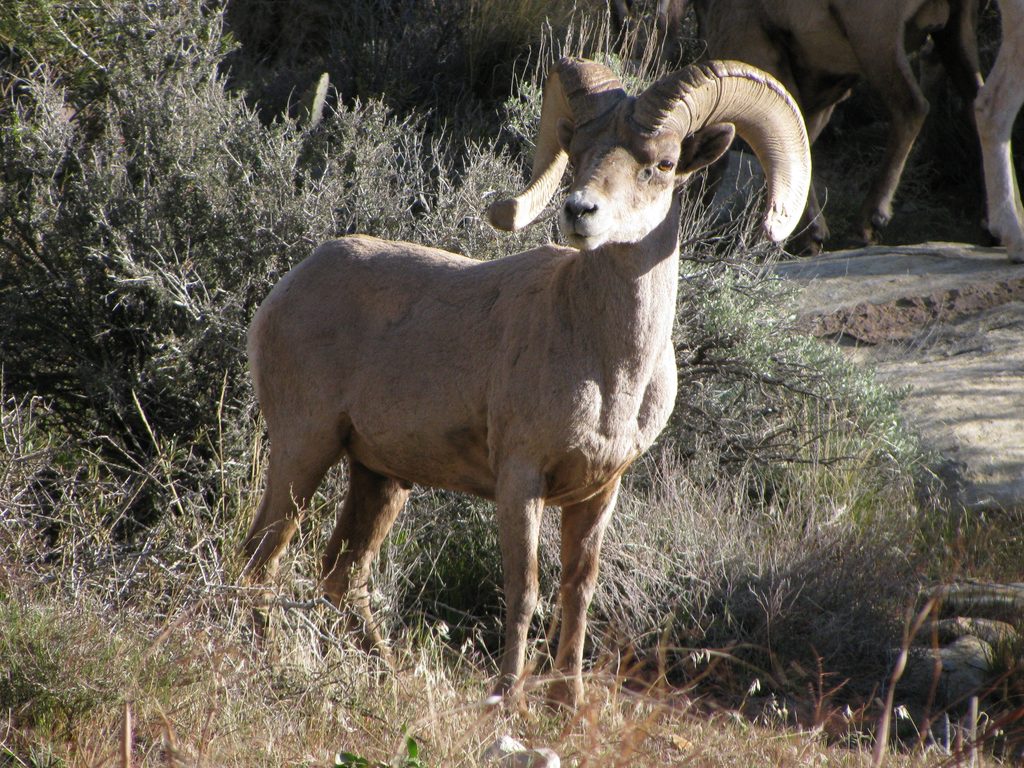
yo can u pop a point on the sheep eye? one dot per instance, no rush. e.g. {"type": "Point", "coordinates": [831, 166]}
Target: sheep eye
{"type": "Point", "coordinates": [666, 165]}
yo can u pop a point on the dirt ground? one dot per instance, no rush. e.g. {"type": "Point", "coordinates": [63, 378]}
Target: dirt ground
{"type": "Point", "coordinates": [945, 322]}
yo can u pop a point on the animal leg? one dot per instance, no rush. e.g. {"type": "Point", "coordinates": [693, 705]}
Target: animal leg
{"type": "Point", "coordinates": [294, 472]}
{"type": "Point", "coordinates": [583, 527]}
{"type": "Point", "coordinates": [885, 66]}
{"type": "Point", "coordinates": [812, 231]}
{"type": "Point", "coordinates": [957, 47]}
{"type": "Point", "coordinates": [996, 109]}
{"type": "Point", "coordinates": [520, 507]}
{"type": "Point", "coordinates": [370, 508]}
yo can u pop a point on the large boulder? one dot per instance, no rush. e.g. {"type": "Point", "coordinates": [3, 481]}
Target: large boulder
{"type": "Point", "coordinates": [944, 321]}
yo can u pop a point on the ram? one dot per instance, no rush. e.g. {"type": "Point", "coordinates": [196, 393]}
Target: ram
{"type": "Point", "coordinates": [818, 49]}
{"type": "Point", "coordinates": [532, 380]}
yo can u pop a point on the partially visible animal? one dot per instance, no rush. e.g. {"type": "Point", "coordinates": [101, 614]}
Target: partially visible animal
{"type": "Point", "coordinates": [531, 380]}
{"type": "Point", "coordinates": [995, 110]}
{"type": "Point", "coordinates": [818, 49]}
{"type": "Point", "coordinates": [668, 16]}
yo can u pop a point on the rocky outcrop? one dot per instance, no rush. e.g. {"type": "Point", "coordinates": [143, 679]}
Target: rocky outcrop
{"type": "Point", "coordinates": [944, 322]}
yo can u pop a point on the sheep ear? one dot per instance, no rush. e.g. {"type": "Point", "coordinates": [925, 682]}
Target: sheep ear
{"type": "Point", "coordinates": [702, 148]}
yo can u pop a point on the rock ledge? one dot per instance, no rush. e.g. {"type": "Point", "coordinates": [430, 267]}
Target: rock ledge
{"type": "Point", "coordinates": [945, 321]}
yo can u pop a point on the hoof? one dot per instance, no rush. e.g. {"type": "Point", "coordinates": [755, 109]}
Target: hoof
{"type": "Point", "coordinates": [507, 692]}
{"type": "Point", "coordinates": [868, 236]}
{"type": "Point", "coordinates": [880, 220]}
{"type": "Point", "coordinates": [806, 244]}
{"type": "Point", "coordinates": [871, 225]}
{"type": "Point", "coordinates": [564, 694]}
{"type": "Point", "coordinates": [810, 249]}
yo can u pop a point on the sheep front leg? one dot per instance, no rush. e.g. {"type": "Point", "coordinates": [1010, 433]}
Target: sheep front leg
{"type": "Point", "coordinates": [583, 527]}
{"type": "Point", "coordinates": [520, 507]}
{"type": "Point", "coordinates": [996, 108]}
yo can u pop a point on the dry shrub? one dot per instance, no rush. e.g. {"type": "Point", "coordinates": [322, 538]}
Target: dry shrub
{"type": "Point", "coordinates": [442, 57]}
{"type": "Point", "coordinates": [93, 624]}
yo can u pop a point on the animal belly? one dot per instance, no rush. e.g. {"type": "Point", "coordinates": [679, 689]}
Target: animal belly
{"type": "Point", "coordinates": [826, 52]}
{"type": "Point", "coordinates": [454, 460]}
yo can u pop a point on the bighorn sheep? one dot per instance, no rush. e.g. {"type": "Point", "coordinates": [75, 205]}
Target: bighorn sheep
{"type": "Point", "coordinates": [819, 48]}
{"type": "Point", "coordinates": [995, 110]}
{"type": "Point", "coordinates": [530, 380]}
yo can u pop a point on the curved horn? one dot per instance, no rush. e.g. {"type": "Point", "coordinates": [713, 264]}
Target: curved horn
{"type": "Point", "coordinates": [578, 91]}
{"type": "Point", "coordinates": [764, 114]}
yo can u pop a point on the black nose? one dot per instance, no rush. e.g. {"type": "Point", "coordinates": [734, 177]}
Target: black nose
{"type": "Point", "coordinates": [576, 207]}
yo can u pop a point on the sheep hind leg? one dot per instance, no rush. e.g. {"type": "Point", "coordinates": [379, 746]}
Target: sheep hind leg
{"type": "Point", "coordinates": [367, 514]}
{"type": "Point", "coordinates": [956, 45]}
{"type": "Point", "coordinates": [293, 475]}
{"type": "Point", "coordinates": [887, 70]}
{"type": "Point", "coordinates": [294, 472]}
{"type": "Point", "coordinates": [583, 527]}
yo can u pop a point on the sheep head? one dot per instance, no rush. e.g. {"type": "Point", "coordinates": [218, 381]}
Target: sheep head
{"type": "Point", "coordinates": [629, 155]}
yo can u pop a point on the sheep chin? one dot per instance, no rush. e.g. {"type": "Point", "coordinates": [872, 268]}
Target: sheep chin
{"type": "Point", "coordinates": [585, 242]}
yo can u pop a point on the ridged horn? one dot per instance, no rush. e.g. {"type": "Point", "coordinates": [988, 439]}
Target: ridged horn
{"type": "Point", "coordinates": [764, 114]}
{"type": "Point", "coordinates": [579, 91]}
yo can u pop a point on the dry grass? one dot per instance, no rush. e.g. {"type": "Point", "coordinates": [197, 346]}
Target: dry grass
{"type": "Point", "coordinates": [199, 694]}
{"type": "Point", "coordinates": [96, 626]}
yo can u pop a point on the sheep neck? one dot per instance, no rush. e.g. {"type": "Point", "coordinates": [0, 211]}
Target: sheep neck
{"type": "Point", "coordinates": [633, 285]}
{"type": "Point", "coordinates": [625, 297]}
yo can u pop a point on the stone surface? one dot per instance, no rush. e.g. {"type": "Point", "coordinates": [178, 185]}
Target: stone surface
{"type": "Point", "coordinates": [946, 322]}
{"type": "Point", "coordinates": [507, 752]}
{"type": "Point", "coordinates": [991, 631]}
{"type": "Point", "coordinates": [948, 676]}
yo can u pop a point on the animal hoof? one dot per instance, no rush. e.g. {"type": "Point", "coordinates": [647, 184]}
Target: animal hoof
{"type": "Point", "coordinates": [564, 694]}
{"type": "Point", "coordinates": [507, 692]}
{"type": "Point", "coordinates": [869, 236]}
{"type": "Point", "coordinates": [807, 243]}
{"type": "Point", "coordinates": [872, 224]}
{"type": "Point", "coordinates": [811, 248]}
